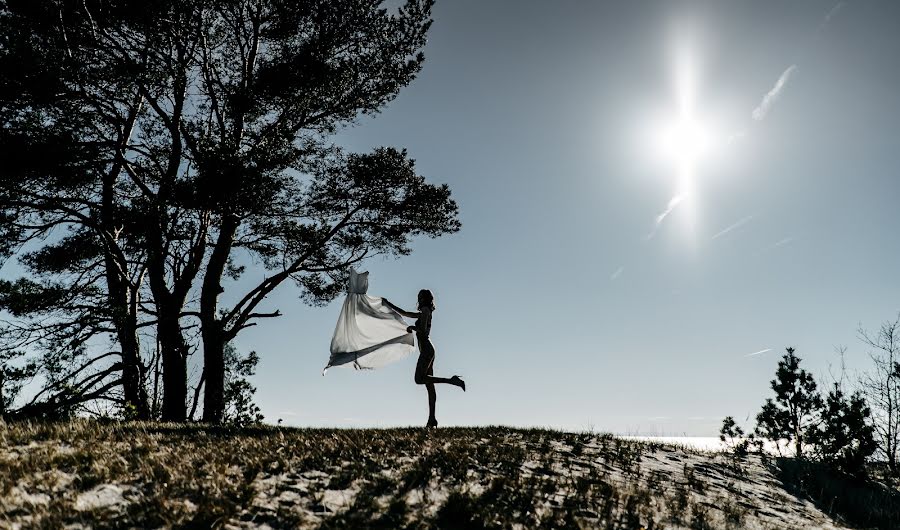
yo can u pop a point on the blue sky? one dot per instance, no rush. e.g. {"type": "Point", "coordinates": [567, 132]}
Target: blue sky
{"type": "Point", "coordinates": [603, 279]}
{"type": "Point", "coordinates": [553, 303]}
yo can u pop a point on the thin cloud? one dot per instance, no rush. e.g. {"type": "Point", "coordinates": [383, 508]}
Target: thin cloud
{"type": "Point", "coordinates": [777, 244]}
{"type": "Point", "coordinates": [736, 225]}
{"type": "Point", "coordinates": [760, 352]}
{"type": "Point", "coordinates": [834, 11]}
{"type": "Point", "coordinates": [673, 203]}
{"type": "Point", "coordinates": [614, 276]}
{"type": "Point", "coordinates": [783, 242]}
{"type": "Point", "coordinates": [772, 96]}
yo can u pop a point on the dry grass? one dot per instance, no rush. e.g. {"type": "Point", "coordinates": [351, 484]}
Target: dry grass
{"type": "Point", "coordinates": [113, 475]}
{"type": "Point", "coordinates": [861, 503]}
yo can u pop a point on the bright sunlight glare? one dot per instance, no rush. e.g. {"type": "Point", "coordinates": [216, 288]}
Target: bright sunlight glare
{"type": "Point", "coordinates": [681, 138]}
{"type": "Point", "coordinates": [684, 142]}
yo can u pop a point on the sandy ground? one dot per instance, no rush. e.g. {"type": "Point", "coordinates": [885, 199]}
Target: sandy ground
{"type": "Point", "coordinates": [711, 489]}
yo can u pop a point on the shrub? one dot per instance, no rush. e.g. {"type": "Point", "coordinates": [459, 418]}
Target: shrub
{"type": "Point", "coordinates": [732, 435]}
{"type": "Point", "coordinates": [844, 438]}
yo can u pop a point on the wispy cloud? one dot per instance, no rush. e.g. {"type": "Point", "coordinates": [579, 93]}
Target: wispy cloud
{"type": "Point", "coordinates": [833, 11]}
{"type": "Point", "coordinates": [760, 352]}
{"type": "Point", "coordinates": [614, 276]}
{"type": "Point", "coordinates": [673, 203]}
{"type": "Point", "coordinates": [772, 96]}
{"type": "Point", "coordinates": [783, 242]}
{"type": "Point", "coordinates": [780, 243]}
{"type": "Point", "coordinates": [736, 225]}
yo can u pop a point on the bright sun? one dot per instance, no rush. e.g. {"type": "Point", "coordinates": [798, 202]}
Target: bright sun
{"type": "Point", "coordinates": [684, 141]}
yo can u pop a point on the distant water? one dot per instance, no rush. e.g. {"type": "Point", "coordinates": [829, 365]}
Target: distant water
{"type": "Point", "coordinates": [703, 443]}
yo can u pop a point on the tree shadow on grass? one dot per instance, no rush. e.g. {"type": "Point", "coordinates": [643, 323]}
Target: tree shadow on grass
{"type": "Point", "coordinates": [855, 501]}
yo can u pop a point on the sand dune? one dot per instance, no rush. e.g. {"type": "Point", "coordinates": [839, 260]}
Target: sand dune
{"type": "Point", "coordinates": [89, 475]}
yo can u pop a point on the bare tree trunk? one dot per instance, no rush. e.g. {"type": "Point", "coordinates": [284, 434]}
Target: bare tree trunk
{"type": "Point", "coordinates": [155, 404]}
{"type": "Point", "coordinates": [196, 400]}
{"type": "Point", "coordinates": [2, 399]}
{"type": "Point", "coordinates": [124, 308]}
{"type": "Point", "coordinates": [214, 367]}
{"type": "Point", "coordinates": [121, 296]}
{"type": "Point", "coordinates": [214, 338]}
{"type": "Point", "coordinates": [133, 387]}
{"type": "Point", "coordinates": [174, 360]}
{"type": "Point", "coordinates": [173, 349]}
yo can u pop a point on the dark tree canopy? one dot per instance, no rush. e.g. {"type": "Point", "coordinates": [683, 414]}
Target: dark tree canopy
{"type": "Point", "coordinates": [161, 146]}
{"type": "Point", "coordinates": [845, 435]}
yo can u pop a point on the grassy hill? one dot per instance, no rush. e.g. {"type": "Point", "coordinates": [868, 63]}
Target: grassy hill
{"type": "Point", "coordinates": [114, 475]}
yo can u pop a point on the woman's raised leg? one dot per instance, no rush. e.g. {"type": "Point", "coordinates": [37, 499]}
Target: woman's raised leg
{"type": "Point", "coordinates": [425, 369]}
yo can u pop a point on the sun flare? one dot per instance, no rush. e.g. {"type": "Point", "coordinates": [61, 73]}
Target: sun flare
{"type": "Point", "coordinates": [684, 141]}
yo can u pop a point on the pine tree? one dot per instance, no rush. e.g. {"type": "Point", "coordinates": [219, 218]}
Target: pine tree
{"type": "Point", "coordinates": [845, 437]}
{"type": "Point", "coordinates": [792, 414]}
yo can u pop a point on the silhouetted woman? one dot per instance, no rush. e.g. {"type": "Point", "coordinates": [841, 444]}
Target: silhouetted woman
{"type": "Point", "coordinates": [425, 365]}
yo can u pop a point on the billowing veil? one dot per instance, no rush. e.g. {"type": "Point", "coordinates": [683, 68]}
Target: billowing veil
{"type": "Point", "coordinates": [368, 334]}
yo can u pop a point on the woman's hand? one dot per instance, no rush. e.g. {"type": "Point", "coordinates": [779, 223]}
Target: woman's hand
{"type": "Point", "coordinates": [410, 329]}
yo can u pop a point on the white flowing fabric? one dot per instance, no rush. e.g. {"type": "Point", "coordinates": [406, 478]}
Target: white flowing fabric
{"type": "Point", "coordinates": [368, 334]}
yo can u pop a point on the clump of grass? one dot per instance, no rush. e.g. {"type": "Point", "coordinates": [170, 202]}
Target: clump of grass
{"type": "Point", "coordinates": [700, 519]}
{"type": "Point", "coordinates": [692, 479]}
{"type": "Point", "coordinates": [679, 503]}
{"type": "Point", "coordinates": [734, 513]}
{"type": "Point", "coordinates": [461, 511]}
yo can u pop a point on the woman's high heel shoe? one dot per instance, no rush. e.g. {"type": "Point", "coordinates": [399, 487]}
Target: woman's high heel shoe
{"type": "Point", "coordinates": [458, 382]}
{"type": "Point", "coordinates": [431, 423]}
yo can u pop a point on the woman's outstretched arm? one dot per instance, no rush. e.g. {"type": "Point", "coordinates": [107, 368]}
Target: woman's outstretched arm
{"type": "Point", "coordinates": [407, 314]}
{"type": "Point", "coordinates": [426, 317]}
